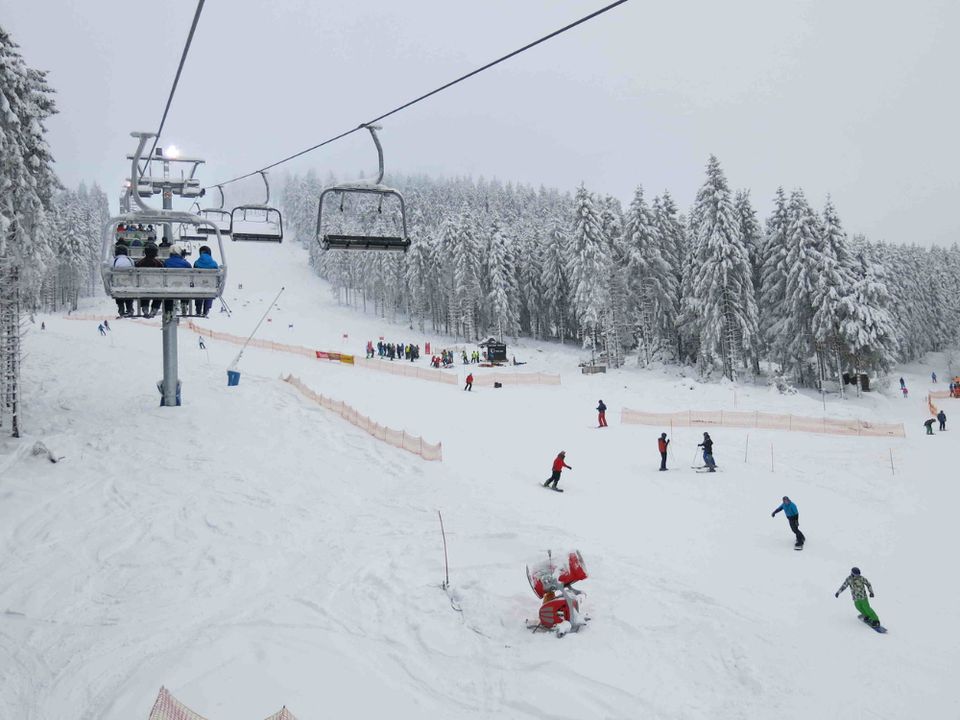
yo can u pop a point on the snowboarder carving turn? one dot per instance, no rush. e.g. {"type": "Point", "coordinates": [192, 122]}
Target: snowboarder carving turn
{"type": "Point", "coordinates": [793, 517]}
{"type": "Point", "coordinates": [559, 464]}
{"type": "Point", "coordinates": [859, 586]}
{"type": "Point", "coordinates": [707, 446]}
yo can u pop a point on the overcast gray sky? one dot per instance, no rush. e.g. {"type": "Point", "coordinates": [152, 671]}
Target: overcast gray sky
{"type": "Point", "coordinates": [857, 99]}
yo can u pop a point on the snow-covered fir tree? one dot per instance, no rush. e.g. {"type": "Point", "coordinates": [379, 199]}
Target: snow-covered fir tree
{"type": "Point", "coordinates": [589, 266]}
{"type": "Point", "coordinates": [27, 185]}
{"type": "Point", "coordinates": [719, 306]}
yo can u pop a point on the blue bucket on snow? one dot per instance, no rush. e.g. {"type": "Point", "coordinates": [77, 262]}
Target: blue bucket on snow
{"type": "Point", "coordinates": [233, 378]}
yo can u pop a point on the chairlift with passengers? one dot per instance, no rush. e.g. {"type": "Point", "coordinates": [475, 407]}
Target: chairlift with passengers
{"type": "Point", "coordinates": [148, 282]}
{"type": "Point", "coordinates": [257, 223]}
{"type": "Point", "coordinates": [389, 229]}
{"type": "Point", "coordinates": [218, 216]}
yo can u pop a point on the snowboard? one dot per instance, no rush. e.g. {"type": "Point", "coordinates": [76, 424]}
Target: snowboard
{"type": "Point", "coordinates": [879, 628]}
{"type": "Point", "coordinates": [551, 488]}
{"type": "Point", "coordinates": [798, 547]}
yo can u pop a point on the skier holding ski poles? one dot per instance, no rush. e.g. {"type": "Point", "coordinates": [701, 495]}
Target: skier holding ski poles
{"type": "Point", "coordinates": [707, 446]}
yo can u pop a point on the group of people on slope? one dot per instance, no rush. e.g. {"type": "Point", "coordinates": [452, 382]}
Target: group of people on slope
{"type": "Point", "coordinates": [403, 351]}
{"type": "Point", "coordinates": [176, 259]}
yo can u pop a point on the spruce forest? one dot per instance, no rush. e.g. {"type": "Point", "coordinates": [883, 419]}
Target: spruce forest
{"type": "Point", "coordinates": [791, 295]}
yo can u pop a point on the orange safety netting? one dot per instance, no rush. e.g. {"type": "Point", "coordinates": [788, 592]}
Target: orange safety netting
{"type": "Point", "coordinates": [524, 378]}
{"type": "Point", "coordinates": [768, 421]}
{"type": "Point", "coordinates": [167, 707]}
{"type": "Point", "coordinates": [431, 374]}
{"type": "Point", "coordinates": [397, 438]}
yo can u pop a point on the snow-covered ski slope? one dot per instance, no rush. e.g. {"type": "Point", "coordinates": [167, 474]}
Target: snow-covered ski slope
{"type": "Point", "coordinates": [250, 550]}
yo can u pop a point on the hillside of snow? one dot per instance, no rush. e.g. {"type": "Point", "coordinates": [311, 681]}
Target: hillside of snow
{"type": "Point", "coordinates": [250, 549]}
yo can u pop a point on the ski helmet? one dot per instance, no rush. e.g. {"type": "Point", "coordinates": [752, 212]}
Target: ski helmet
{"type": "Point", "coordinates": [855, 571]}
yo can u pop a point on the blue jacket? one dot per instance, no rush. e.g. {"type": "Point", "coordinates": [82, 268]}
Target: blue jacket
{"type": "Point", "coordinates": [789, 509]}
{"type": "Point", "coordinates": [206, 262]}
{"type": "Point", "coordinates": [175, 261]}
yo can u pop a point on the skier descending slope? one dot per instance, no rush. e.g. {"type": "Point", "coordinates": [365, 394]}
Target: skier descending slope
{"type": "Point", "coordinates": [558, 465]}
{"type": "Point", "coordinates": [859, 586]}
{"type": "Point", "coordinates": [707, 446]}
{"type": "Point", "coordinates": [793, 517]}
{"type": "Point", "coordinates": [602, 415]}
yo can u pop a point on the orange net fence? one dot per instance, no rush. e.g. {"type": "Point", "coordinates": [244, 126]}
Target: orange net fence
{"type": "Point", "coordinates": [768, 421]}
{"type": "Point", "coordinates": [525, 378]}
{"type": "Point", "coordinates": [397, 438]}
{"type": "Point", "coordinates": [407, 370]}
{"type": "Point", "coordinates": [167, 707]}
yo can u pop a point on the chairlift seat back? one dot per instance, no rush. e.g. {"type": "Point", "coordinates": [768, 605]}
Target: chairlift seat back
{"type": "Point", "coordinates": [183, 283]}
{"type": "Point", "coordinates": [347, 241]}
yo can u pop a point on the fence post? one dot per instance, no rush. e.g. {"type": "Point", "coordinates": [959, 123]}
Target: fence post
{"type": "Point", "coordinates": [746, 448]}
{"type": "Point", "coordinates": [892, 471]}
{"type": "Point", "coordinates": [790, 417]}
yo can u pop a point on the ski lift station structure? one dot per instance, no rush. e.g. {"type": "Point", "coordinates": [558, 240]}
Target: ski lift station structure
{"type": "Point", "coordinates": [162, 283]}
{"type": "Point", "coordinates": [340, 241]}
{"type": "Point", "coordinates": [267, 229]}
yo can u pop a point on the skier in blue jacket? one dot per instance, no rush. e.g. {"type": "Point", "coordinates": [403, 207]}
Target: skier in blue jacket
{"type": "Point", "coordinates": [205, 261]}
{"type": "Point", "coordinates": [793, 517]}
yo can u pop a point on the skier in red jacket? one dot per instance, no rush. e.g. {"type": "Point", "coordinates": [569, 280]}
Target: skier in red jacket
{"type": "Point", "coordinates": [558, 465]}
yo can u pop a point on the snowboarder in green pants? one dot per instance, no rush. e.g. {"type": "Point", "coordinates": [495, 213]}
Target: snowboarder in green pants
{"type": "Point", "coordinates": [859, 586]}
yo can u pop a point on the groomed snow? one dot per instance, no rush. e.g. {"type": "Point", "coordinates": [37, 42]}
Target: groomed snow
{"type": "Point", "coordinates": [250, 550]}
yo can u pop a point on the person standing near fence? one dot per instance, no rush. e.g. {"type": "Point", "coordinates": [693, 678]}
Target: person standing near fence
{"type": "Point", "coordinates": [942, 417]}
{"type": "Point", "coordinates": [933, 375]}
{"type": "Point", "coordinates": [662, 445]}
{"type": "Point", "coordinates": [793, 517]}
{"type": "Point", "coordinates": [602, 415]}
{"type": "Point", "coordinates": [469, 385]}
{"type": "Point", "coordinates": [707, 446]}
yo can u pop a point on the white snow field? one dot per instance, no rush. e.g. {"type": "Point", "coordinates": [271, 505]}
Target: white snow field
{"type": "Point", "coordinates": [250, 550]}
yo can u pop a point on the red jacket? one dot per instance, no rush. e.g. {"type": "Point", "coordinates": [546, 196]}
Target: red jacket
{"type": "Point", "coordinates": [662, 445]}
{"type": "Point", "coordinates": [470, 378]}
{"type": "Point", "coordinates": [559, 464]}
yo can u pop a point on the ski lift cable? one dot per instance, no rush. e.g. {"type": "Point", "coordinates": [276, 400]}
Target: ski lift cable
{"type": "Point", "coordinates": [176, 80]}
{"type": "Point", "coordinates": [440, 89]}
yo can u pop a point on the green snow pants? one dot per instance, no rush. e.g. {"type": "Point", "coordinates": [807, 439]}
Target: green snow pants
{"type": "Point", "coordinates": [864, 607]}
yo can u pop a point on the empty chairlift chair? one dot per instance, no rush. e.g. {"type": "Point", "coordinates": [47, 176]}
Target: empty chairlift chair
{"type": "Point", "coordinates": [371, 224]}
{"type": "Point", "coordinates": [257, 223]}
{"type": "Point", "coordinates": [216, 215]}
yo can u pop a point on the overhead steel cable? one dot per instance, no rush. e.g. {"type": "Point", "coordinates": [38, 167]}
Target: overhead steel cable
{"type": "Point", "coordinates": [450, 84]}
{"type": "Point", "coordinates": [176, 79]}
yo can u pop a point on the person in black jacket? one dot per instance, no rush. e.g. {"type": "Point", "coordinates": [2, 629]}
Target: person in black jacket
{"type": "Point", "coordinates": [602, 414]}
{"type": "Point", "coordinates": [707, 446]}
{"type": "Point", "coordinates": [942, 417]}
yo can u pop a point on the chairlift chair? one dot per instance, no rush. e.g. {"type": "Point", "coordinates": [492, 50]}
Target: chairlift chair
{"type": "Point", "coordinates": [151, 283]}
{"type": "Point", "coordinates": [343, 241]}
{"type": "Point", "coordinates": [265, 225]}
{"type": "Point", "coordinates": [192, 233]}
{"type": "Point", "coordinates": [164, 283]}
{"type": "Point", "coordinates": [218, 216]}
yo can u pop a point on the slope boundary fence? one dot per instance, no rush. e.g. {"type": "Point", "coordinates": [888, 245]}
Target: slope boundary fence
{"type": "Point", "coordinates": [167, 707]}
{"type": "Point", "coordinates": [526, 378]}
{"type": "Point", "coordinates": [397, 438]}
{"type": "Point", "coordinates": [762, 420]}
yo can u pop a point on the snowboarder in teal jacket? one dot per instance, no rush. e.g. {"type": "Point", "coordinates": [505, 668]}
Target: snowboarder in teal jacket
{"type": "Point", "coordinates": [793, 517]}
{"type": "Point", "coordinates": [859, 586]}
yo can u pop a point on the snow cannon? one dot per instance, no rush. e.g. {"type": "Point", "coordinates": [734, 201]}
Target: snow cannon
{"type": "Point", "coordinates": [551, 575]}
{"type": "Point", "coordinates": [552, 580]}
